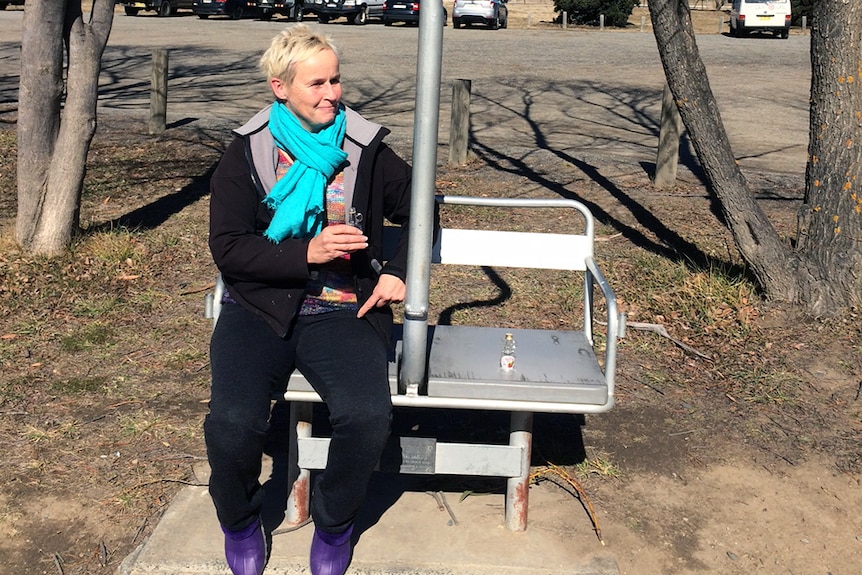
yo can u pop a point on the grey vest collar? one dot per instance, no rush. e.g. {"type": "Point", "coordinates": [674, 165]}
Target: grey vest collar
{"type": "Point", "coordinates": [264, 153]}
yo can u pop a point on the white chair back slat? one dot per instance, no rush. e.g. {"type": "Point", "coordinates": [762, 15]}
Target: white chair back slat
{"type": "Point", "coordinates": [512, 249]}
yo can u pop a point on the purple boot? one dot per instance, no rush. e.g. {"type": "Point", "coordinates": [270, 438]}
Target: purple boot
{"type": "Point", "coordinates": [330, 554]}
{"type": "Point", "coordinates": [245, 550]}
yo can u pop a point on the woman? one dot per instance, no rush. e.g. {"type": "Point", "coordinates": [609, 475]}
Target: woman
{"type": "Point", "coordinates": [304, 289]}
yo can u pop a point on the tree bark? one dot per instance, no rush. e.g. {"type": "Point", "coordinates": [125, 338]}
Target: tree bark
{"type": "Point", "coordinates": [830, 220]}
{"type": "Point", "coordinates": [758, 242]}
{"type": "Point", "coordinates": [54, 132]}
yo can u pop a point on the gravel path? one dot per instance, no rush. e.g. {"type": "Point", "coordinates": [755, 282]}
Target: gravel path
{"type": "Point", "coordinates": [574, 92]}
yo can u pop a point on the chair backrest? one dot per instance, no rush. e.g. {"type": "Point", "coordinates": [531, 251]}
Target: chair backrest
{"type": "Point", "coordinates": [498, 248]}
{"type": "Point", "coordinates": [512, 249]}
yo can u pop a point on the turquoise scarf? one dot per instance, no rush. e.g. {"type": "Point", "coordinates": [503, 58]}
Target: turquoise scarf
{"type": "Point", "coordinates": [297, 198]}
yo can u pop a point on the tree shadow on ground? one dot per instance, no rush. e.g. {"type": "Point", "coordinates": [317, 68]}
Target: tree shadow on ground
{"type": "Point", "coordinates": [557, 440]}
{"type": "Point", "coordinates": [668, 244]}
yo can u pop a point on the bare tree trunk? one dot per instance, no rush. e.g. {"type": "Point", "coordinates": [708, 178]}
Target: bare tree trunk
{"type": "Point", "coordinates": [754, 235]}
{"type": "Point", "coordinates": [830, 222]}
{"type": "Point", "coordinates": [54, 135]}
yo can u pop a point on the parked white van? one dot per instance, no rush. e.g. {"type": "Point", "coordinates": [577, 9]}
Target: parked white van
{"type": "Point", "coordinates": [760, 16]}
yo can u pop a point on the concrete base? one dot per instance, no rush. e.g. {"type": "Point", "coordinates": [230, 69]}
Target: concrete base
{"type": "Point", "coordinates": [403, 530]}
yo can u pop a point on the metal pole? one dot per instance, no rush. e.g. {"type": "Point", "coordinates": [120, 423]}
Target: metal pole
{"type": "Point", "coordinates": [518, 488]}
{"type": "Point", "coordinates": [298, 500]}
{"type": "Point", "coordinates": [425, 124]}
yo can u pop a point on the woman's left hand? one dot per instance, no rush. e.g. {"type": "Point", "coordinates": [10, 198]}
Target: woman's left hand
{"type": "Point", "coordinates": [389, 289]}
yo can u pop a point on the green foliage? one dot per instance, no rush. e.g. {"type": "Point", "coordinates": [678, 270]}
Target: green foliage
{"type": "Point", "coordinates": [587, 12]}
{"type": "Point", "coordinates": [799, 9]}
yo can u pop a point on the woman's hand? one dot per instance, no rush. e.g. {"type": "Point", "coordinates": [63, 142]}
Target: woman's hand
{"type": "Point", "coordinates": [335, 241]}
{"type": "Point", "coordinates": [389, 289]}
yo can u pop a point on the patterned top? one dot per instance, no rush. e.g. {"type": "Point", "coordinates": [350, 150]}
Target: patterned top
{"type": "Point", "coordinates": [333, 287]}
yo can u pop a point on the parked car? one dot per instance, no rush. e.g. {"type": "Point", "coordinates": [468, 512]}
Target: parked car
{"type": "Point", "coordinates": [293, 9]}
{"type": "Point", "coordinates": [492, 13]}
{"type": "Point", "coordinates": [235, 9]}
{"type": "Point", "coordinates": [161, 7]}
{"type": "Point", "coordinates": [356, 11]}
{"type": "Point", "coordinates": [406, 11]}
{"type": "Point", "coordinates": [760, 16]}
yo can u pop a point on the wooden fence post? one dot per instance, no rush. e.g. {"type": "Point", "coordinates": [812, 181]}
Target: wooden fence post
{"type": "Point", "coordinates": [459, 125]}
{"type": "Point", "coordinates": [159, 92]}
{"type": "Point", "coordinates": [667, 156]}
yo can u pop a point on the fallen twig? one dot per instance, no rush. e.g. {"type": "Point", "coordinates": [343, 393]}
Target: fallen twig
{"type": "Point", "coordinates": [163, 480]}
{"type": "Point", "coordinates": [652, 387]}
{"type": "Point", "coordinates": [574, 484]}
{"type": "Point", "coordinates": [443, 505]}
{"type": "Point", "coordinates": [292, 527]}
{"type": "Point", "coordinates": [198, 289]}
{"type": "Point", "coordinates": [437, 499]}
{"type": "Point", "coordinates": [139, 530]}
{"type": "Point", "coordinates": [448, 509]}
{"type": "Point", "coordinates": [608, 238]}
{"type": "Point", "coordinates": [660, 329]}
{"type": "Point", "coordinates": [58, 563]}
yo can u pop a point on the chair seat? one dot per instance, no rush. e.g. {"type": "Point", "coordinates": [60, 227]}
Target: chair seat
{"type": "Point", "coordinates": [464, 363]}
{"type": "Point", "coordinates": [550, 366]}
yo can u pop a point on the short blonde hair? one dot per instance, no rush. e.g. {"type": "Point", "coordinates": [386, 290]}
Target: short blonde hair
{"type": "Point", "coordinates": [292, 45]}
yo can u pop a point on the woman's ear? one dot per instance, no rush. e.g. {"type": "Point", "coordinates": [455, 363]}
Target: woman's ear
{"type": "Point", "coordinates": [279, 88]}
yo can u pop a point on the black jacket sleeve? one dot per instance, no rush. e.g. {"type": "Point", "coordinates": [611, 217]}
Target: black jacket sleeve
{"type": "Point", "coordinates": [238, 219]}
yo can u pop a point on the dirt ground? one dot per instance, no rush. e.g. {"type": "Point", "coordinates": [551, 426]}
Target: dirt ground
{"type": "Point", "coordinates": [739, 453]}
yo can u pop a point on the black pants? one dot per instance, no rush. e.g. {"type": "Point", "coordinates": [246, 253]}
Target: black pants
{"type": "Point", "coordinates": [345, 361]}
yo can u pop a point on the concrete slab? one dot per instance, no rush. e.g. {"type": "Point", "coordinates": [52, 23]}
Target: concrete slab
{"type": "Point", "coordinates": [403, 530]}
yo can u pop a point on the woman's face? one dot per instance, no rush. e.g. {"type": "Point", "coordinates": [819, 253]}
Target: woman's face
{"type": "Point", "coordinates": [315, 92]}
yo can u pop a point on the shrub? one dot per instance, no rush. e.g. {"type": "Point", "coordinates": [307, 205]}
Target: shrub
{"type": "Point", "coordinates": [587, 12]}
{"type": "Point", "coordinates": [801, 8]}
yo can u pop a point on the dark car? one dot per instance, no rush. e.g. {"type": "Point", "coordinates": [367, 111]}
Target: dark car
{"type": "Point", "coordinates": [161, 7]}
{"type": "Point", "coordinates": [405, 11]}
{"type": "Point", "coordinates": [356, 11]}
{"type": "Point", "coordinates": [232, 8]}
{"type": "Point", "coordinates": [292, 9]}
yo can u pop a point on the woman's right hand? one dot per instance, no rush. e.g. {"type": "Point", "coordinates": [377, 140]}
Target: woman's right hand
{"type": "Point", "coordinates": [334, 242]}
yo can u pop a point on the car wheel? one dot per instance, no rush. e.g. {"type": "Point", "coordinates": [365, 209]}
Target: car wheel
{"type": "Point", "coordinates": [2, 5]}
{"type": "Point", "coordinates": [131, 11]}
{"type": "Point", "coordinates": [165, 8]}
{"type": "Point", "coordinates": [505, 22]}
{"type": "Point", "coordinates": [236, 14]}
{"type": "Point", "coordinates": [203, 16]}
{"type": "Point", "coordinates": [785, 34]}
{"type": "Point", "coordinates": [456, 23]}
{"type": "Point", "coordinates": [323, 19]}
{"type": "Point", "coordinates": [387, 22]}
{"type": "Point", "coordinates": [495, 23]}
{"type": "Point", "coordinates": [361, 17]}
{"type": "Point", "coordinates": [298, 12]}
{"type": "Point", "coordinates": [266, 16]}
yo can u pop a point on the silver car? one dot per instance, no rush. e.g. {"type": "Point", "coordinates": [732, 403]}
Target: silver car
{"type": "Point", "coordinates": [491, 13]}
